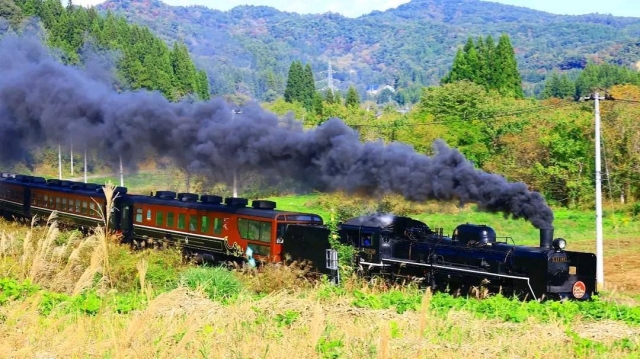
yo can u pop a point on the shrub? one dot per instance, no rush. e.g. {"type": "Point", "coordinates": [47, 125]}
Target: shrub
{"type": "Point", "coordinates": [218, 283]}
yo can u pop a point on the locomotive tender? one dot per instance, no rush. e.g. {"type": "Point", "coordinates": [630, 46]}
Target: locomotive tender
{"type": "Point", "coordinates": [384, 244]}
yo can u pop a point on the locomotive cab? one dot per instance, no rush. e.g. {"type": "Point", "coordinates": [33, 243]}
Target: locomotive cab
{"type": "Point", "coordinates": [473, 234]}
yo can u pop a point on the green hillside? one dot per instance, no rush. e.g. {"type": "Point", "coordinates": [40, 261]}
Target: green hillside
{"type": "Point", "coordinates": [413, 45]}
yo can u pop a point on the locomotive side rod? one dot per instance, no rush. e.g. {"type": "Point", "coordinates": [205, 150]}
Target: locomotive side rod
{"type": "Point", "coordinates": [465, 271]}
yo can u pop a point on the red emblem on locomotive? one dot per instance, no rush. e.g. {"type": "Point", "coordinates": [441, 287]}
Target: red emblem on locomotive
{"type": "Point", "coordinates": [579, 289]}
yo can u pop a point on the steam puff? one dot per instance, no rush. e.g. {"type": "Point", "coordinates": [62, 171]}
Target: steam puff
{"type": "Point", "coordinates": [45, 102]}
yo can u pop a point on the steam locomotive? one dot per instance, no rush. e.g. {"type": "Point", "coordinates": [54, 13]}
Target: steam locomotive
{"type": "Point", "coordinates": [387, 245]}
{"type": "Point", "coordinates": [473, 256]}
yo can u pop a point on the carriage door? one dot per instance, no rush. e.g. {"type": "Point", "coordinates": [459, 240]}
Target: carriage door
{"type": "Point", "coordinates": [126, 222]}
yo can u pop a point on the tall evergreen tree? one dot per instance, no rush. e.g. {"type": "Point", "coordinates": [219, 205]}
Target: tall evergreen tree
{"type": "Point", "coordinates": [10, 11]}
{"type": "Point", "coordinates": [353, 98]}
{"type": "Point", "coordinates": [183, 69]}
{"type": "Point", "coordinates": [309, 88]}
{"type": "Point", "coordinates": [295, 82]}
{"type": "Point", "coordinates": [487, 65]}
{"type": "Point", "coordinates": [508, 81]}
{"type": "Point", "coordinates": [328, 97]}
{"type": "Point", "coordinates": [459, 70]}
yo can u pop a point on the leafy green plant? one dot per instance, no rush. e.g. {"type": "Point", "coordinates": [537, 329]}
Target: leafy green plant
{"type": "Point", "coordinates": [219, 283]}
{"type": "Point", "coordinates": [287, 318]}
{"type": "Point", "coordinates": [11, 289]}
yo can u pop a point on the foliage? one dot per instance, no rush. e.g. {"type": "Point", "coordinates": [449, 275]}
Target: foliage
{"type": "Point", "coordinates": [10, 11]}
{"type": "Point", "coordinates": [246, 48]}
{"type": "Point", "coordinates": [494, 68]}
{"type": "Point", "coordinates": [353, 99]}
{"type": "Point", "coordinates": [300, 85]}
{"type": "Point", "coordinates": [219, 283]}
{"type": "Point", "coordinates": [145, 62]}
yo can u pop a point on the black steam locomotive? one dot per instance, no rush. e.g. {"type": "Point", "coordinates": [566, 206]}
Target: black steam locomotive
{"type": "Point", "coordinates": [473, 257]}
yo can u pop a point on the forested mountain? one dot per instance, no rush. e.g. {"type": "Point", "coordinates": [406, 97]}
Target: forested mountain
{"type": "Point", "coordinates": [245, 48]}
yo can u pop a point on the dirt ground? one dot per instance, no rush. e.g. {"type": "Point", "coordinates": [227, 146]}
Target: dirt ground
{"type": "Point", "coordinates": [621, 264]}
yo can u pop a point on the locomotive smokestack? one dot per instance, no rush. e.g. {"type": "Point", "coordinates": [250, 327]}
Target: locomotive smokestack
{"type": "Point", "coordinates": [546, 237]}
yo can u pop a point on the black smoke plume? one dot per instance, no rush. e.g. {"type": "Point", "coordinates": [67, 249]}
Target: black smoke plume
{"type": "Point", "coordinates": [43, 102]}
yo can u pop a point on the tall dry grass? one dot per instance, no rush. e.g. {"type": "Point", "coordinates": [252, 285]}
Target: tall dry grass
{"type": "Point", "coordinates": [185, 324]}
{"type": "Point", "coordinates": [69, 265]}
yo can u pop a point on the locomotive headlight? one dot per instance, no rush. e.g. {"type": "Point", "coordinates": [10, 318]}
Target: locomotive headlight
{"type": "Point", "coordinates": [559, 243]}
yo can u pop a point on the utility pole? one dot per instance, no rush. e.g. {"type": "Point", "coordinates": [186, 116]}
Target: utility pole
{"type": "Point", "coordinates": [235, 181]}
{"type": "Point", "coordinates": [71, 149]}
{"type": "Point", "coordinates": [599, 236]}
{"type": "Point", "coordinates": [85, 165]}
{"type": "Point", "coordinates": [59, 162]}
{"type": "Point", "coordinates": [121, 173]}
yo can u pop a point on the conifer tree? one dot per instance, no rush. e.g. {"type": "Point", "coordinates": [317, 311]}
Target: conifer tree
{"type": "Point", "coordinates": [487, 65]}
{"type": "Point", "coordinates": [10, 11]}
{"type": "Point", "coordinates": [309, 88]}
{"type": "Point", "coordinates": [328, 97]}
{"type": "Point", "coordinates": [295, 81]}
{"type": "Point", "coordinates": [353, 99]}
{"type": "Point", "coordinates": [507, 80]}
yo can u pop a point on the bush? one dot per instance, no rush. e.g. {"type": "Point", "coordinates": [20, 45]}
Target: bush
{"type": "Point", "coordinates": [218, 283]}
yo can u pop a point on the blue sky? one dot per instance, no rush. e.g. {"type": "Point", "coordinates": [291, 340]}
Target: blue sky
{"type": "Point", "coordinates": [353, 8]}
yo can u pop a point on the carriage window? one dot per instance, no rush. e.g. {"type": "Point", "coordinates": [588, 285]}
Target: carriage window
{"type": "Point", "coordinates": [181, 220]}
{"type": "Point", "coordinates": [204, 224]}
{"type": "Point", "coordinates": [139, 215]}
{"type": "Point", "coordinates": [57, 202]}
{"type": "Point", "coordinates": [64, 204]}
{"type": "Point", "coordinates": [71, 208]}
{"type": "Point", "coordinates": [254, 230]}
{"type": "Point", "coordinates": [148, 215]}
{"type": "Point", "coordinates": [170, 219]}
{"type": "Point", "coordinates": [217, 226]}
{"type": "Point", "coordinates": [45, 202]}
{"type": "Point", "coordinates": [84, 207]}
{"type": "Point", "coordinates": [193, 223]}
{"type": "Point", "coordinates": [78, 206]}
{"type": "Point", "coordinates": [92, 207]}
{"type": "Point", "coordinates": [159, 218]}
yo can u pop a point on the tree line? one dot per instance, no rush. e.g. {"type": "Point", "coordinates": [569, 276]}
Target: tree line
{"type": "Point", "coordinates": [146, 61]}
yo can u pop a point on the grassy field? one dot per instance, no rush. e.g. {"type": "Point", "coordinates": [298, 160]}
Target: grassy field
{"type": "Point", "coordinates": [62, 295]}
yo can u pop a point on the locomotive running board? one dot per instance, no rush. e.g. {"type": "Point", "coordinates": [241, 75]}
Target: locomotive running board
{"type": "Point", "coordinates": [466, 271]}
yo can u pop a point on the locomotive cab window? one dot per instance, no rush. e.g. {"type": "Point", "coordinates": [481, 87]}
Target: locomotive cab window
{"type": "Point", "coordinates": [366, 240]}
